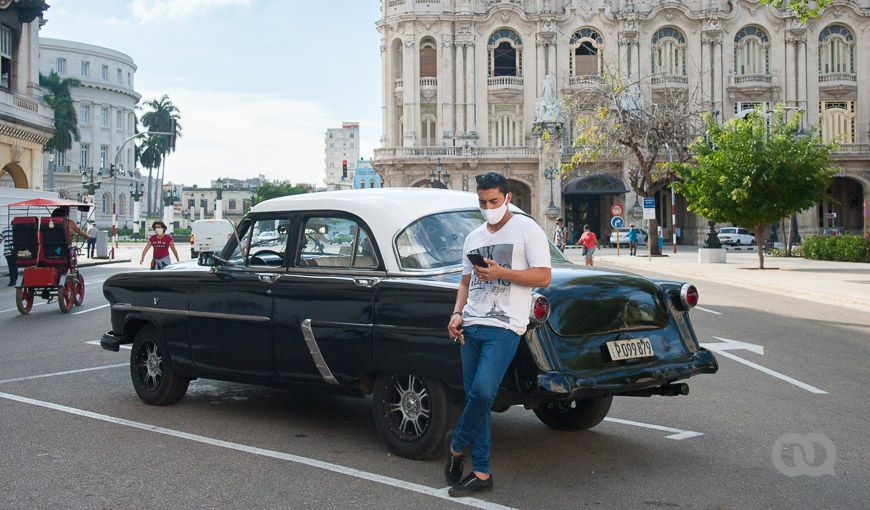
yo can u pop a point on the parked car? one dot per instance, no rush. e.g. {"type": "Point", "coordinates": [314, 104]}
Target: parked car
{"type": "Point", "coordinates": [833, 231]}
{"type": "Point", "coordinates": [209, 236]}
{"type": "Point", "coordinates": [736, 236]}
{"type": "Point", "coordinates": [369, 316]}
{"type": "Point", "coordinates": [623, 237]}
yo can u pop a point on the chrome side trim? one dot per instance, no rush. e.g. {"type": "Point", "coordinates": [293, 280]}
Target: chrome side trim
{"type": "Point", "coordinates": [316, 355]}
{"type": "Point", "coordinates": [185, 313]}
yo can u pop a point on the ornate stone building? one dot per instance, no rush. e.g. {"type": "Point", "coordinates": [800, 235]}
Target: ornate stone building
{"type": "Point", "coordinates": [465, 90]}
{"type": "Point", "coordinates": [104, 103]}
{"type": "Point", "coordinates": [26, 122]}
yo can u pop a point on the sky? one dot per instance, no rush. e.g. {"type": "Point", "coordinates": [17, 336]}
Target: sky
{"type": "Point", "coordinates": [257, 82]}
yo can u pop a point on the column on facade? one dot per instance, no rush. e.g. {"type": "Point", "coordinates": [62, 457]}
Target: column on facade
{"type": "Point", "coordinates": [460, 88]}
{"type": "Point", "coordinates": [551, 58]}
{"type": "Point", "coordinates": [387, 107]}
{"type": "Point", "coordinates": [801, 74]}
{"type": "Point", "coordinates": [470, 61]}
{"type": "Point", "coordinates": [409, 95]}
{"type": "Point", "coordinates": [445, 91]}
{"type": "Point", "coordinates": [540, 60]}
{"type": "Point", "coordinates": [717, 73]}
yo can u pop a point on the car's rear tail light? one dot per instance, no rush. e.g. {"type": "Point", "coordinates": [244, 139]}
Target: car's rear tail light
{"type": "Point", "coordinates": [688, 296]}
{"type": "Point", "coordinates": [540, 309]}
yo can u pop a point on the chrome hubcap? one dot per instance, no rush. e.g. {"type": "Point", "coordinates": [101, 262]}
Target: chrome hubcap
{"type": "Point", "coordinates": [152, 365]}
{"type": "Point", "coordinates": [412, 407]}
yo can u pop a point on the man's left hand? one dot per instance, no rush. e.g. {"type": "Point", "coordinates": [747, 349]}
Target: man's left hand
{"type": "Point", "coordinates": [493, 271]}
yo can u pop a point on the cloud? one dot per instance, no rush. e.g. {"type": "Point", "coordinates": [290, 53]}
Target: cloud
{"type": "Point", "coordinates": [147, 11]}
{"type": "Point", "coordinates": [243, 135]}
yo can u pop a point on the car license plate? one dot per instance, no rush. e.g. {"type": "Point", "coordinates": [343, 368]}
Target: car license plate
{"type": "Point", "coordinates": [630, 349]}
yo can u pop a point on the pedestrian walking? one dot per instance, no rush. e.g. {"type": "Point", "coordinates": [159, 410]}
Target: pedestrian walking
{"type": "Point", "coordinates": [560, 234]}
{"type": "Point", "coordinates": [632, 239]}
{"type": "Point", "coordinates": [491, 312]}
{"type": "Point", "coordinates": [162, 243]}
{"type": "Point", "coordinates": [92, 240]}
{"type": "Point", "coordinates": [589, 241]}
{"type": "Point", "coordinates": [6, 236]}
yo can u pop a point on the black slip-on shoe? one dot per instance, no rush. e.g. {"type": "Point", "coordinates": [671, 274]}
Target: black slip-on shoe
{"type": "Point", "coordinates": [453, 468]}
{"type": "Point", "coordinates": [470, 485]}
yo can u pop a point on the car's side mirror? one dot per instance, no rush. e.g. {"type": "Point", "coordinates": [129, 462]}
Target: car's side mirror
{"type": "Point", "coordinates": [206, 258]}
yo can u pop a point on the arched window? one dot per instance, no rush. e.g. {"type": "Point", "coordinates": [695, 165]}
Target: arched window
{"type": "Point", "coordinates": [836, 50]}
{"type": "Point", "coordinates": [122, 204]}
{"type": "Point", "coordinates": [669, 52]}
{"type": "Point", "coordinates": [107, 203]}
{"type": "Point", "coordinates": [505, 53]}
{"type": "Point", "coordinates": [427, 131]}
{"type": "Point", "coordinates": [428, 58]}
{"type": "Point", "coordinates": [586, 48]}
{"type": "Point", "coordinates": [751, 51]}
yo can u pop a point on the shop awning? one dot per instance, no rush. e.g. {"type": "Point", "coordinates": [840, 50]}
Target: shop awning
{"type": "Point", "coordinates": [599, 184]}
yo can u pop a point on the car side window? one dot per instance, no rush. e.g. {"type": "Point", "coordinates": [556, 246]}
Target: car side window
{"type": "Point", "coordinates": [335, 242]}
{"type": "Point", "coordinates": [263, 244]}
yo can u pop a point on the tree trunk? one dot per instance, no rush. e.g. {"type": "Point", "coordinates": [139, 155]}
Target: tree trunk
{"type": "Point", "coordinates": [148, 200]}
{"type": "Point", "coordinates": [758, 237]}
{"type": "Point", "coordinates": [652, 239]}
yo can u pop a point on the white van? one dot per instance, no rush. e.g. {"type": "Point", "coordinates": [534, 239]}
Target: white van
{"type": "Point", "coordinates": [209, 236]}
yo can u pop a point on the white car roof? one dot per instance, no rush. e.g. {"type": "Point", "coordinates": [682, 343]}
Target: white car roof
{"type": "Point", "coordinates": [385, 210]}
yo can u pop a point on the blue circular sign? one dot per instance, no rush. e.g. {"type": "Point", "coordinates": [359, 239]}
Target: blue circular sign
{"type": "Point", "coordinates": [617, 222]}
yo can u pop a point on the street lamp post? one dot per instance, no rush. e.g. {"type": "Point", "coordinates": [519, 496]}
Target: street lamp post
{"type": "Point", "coordinates": [89, 184]}
{"type": "Point", "coordinates": [202, 206]}
{"type": "Point", "coordinates": [219, 202]}
{"type": "Point", "coordinates": [551, 174]}
{"type": "Point", "coordinates": [136, 192]}
{"type": "Point", "coordinates": [435, 179]}
{"type": "Point", "coordinates": [673, 202]}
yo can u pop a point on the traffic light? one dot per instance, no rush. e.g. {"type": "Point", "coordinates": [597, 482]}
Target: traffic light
{"type": "Point", "coordinates": [343, 168]}
{"type": "Point", "coordinates": [112, 170]}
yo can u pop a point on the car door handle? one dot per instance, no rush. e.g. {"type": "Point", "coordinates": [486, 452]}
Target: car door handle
{"type": "Point", "coordinates": [269, 278]}
{"type": "Point", "coordinates": [366, 282]}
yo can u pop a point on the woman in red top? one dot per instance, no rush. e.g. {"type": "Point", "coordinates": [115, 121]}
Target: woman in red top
{"type": "Point", "coordinates": [589, 241]}
{"type": "Point", "coordinates": [162, 243]}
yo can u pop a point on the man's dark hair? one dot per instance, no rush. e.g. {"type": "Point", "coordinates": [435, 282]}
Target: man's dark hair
{"type": "Point", "coordinates": [158, 223]}
{"type": "Point", "coordinates": [493, 180]}
{"type": "Point", "coordinates": [60, 212]}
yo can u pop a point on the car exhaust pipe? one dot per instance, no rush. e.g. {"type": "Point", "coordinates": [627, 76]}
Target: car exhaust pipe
{"type": "Point", "coordinates": [668, 390]}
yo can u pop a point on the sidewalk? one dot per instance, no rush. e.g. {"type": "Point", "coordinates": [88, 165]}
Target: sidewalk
{"type": "Point", "coordinates": [845, 284]}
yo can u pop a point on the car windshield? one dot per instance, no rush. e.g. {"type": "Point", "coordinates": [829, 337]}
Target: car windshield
{"type": "Point", "coordinates": [436, 241]}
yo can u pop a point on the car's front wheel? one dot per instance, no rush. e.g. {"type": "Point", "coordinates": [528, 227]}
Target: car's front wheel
{"type": "Point", "coordinates": [576, 414]}
{"type": "Point", "coordinates": [412, 414]}
{"type": "Point", "coordinates": [154, 380]}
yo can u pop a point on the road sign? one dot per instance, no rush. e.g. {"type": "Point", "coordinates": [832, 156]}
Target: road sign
{"type": "Point", "coordinates": [616, 210]}
{"type": "Point", "coordinates": [617, 222]}
{"type": "Point", "coordinates": [649, 208]}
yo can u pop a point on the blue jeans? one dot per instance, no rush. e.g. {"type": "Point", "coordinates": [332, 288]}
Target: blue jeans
{"type": "Point", "coordinates": [486, 355]}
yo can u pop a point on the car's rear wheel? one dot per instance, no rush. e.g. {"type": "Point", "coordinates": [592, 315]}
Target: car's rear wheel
{"type": "Point", "coordinates": [154, 379]}
{"type": "Point", "coordinates": [412, 414]}
{"type": "Point", "coordinates": [79, 296]}
{"type": "Point", "coordinates": [576, 414]}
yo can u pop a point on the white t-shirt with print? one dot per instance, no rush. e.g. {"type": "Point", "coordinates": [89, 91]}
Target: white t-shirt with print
{"type": "Point", "coordinates": [519, 244]}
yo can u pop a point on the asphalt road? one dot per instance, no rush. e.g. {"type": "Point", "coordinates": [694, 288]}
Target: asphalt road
{"type": "Point", "coordinates": [787, 430]}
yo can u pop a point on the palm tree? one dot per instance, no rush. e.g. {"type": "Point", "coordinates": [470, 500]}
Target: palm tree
{"type": "Point", "coordinates": [65, 120]}
{"type": "Point", "coordinates": [164, 117]}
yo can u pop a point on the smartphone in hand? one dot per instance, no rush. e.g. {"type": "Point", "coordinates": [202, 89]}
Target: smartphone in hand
{"type": "Point", "coordinates": [477, 259]}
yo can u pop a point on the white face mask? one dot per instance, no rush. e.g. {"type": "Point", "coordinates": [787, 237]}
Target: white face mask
{"type": "Point", "coordinates": [158, 230]}
{"type": "Point", "coordinates": [493, 216]}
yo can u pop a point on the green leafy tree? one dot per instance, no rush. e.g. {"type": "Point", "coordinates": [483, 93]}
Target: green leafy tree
{"type": "Point", "coordinates": [161, 116]}
{"type": "Point", "coordinates": [269, 190]}
{"type": "Point", "coordinates": [66, 129]}
{"type": "Point", "coordinates": [755, 171]}
{"type": "Point", "coordinates": [803, 9]}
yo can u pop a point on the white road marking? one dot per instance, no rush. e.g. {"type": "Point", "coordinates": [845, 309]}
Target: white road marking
{"type": "Point", "coordinates": [66, 372]}
{"type": "Point", "coordinates": [326, 466]}
{"type": "Point", "coordinates": [97, 342]}
{"type": "Point", "coordinates": [676, 434]}
{"type": "Point", "coordinates": [91, 309]}
{"type": "Point", "coordinates": [16, 309]}
{"type": "Point", "coordinates": [714, 312]}
{"type": "Point", "coordinates": [726, 344]}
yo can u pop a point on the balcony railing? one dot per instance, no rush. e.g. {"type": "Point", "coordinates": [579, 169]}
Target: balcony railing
{"type": "Point", "coordinates": [447, 152]}
{"type": "Point", "coordinates": [746, 79]}
{"type": "Point", "coordinates": [589, 80]}
{"type": "Point", "coordinates": [670, 80]}
{"type": "Point", "coordinates": [62, 169]}
{"type": "Point", "coordinates": [398, 84]}
{"type": "Point", "coordinates": [428, 82]}
{"type": "Point", "coordinates": [852, 148]}
{"type": "Point", "coordinates": [505, 81]}
{"type": "Point", "coordinates": [26, 103]}
{"type": "Point", "coordinates": [842, 77]}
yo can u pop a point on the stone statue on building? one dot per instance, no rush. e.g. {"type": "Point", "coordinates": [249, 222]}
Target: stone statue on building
{"type": "Point", "coordinates": [547, 108]}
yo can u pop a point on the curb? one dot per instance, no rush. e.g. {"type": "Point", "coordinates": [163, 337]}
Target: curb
{"type": "Point", "coordinates": [104, 262]}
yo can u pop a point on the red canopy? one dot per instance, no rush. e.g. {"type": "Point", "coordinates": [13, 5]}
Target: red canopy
{"type": "Point", "coordinates": [51, 202]}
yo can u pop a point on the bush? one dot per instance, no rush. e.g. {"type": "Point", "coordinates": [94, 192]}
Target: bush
{"type": "Point", "coordinates": [845, 248]}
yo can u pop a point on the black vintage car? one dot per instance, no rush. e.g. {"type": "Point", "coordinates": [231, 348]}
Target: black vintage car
{"type": "Point", "coordinates": [352, 291]}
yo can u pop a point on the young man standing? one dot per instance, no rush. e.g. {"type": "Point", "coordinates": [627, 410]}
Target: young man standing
{"type": "Point", "coordinates": [632, 239]}
{"type": "Point", "coordinates": [491, 312]}
{"type": "Point", "coordinates": [6, 237]}
{"type": "Point", "coordinates": [560, 234]}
